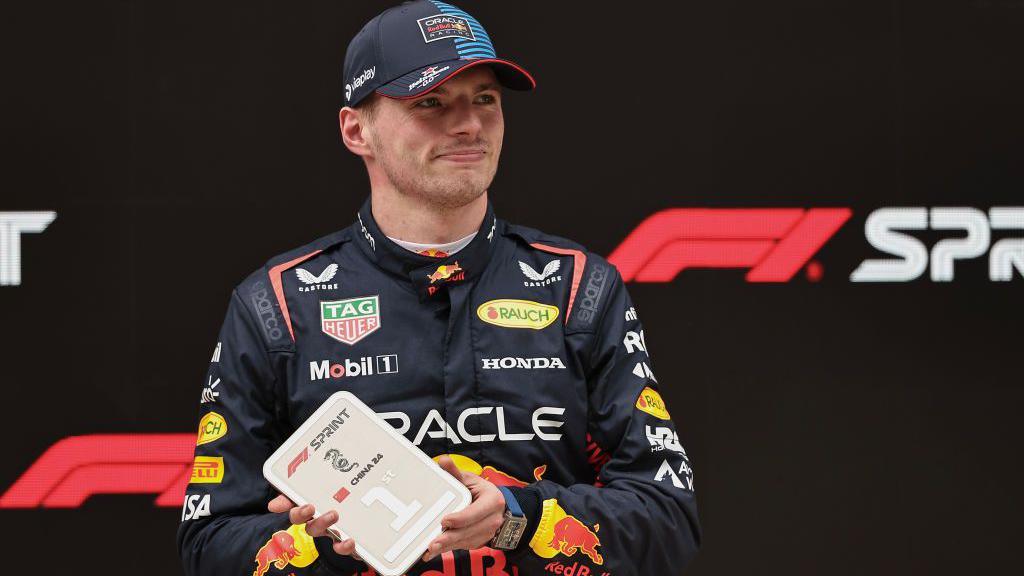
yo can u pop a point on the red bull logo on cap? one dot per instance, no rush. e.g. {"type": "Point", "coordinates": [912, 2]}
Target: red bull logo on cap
{"type": "Point", "coordinates": [560, 533]}
{"type": "Point", "coordinates": [286, 547]}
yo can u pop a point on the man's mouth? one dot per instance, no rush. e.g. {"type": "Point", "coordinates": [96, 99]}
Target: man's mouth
{"type": "Point", "coordinates": [466, 155]}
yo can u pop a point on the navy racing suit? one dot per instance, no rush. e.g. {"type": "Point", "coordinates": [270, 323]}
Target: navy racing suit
{"type": "Point", "coordinates": [521, 355]}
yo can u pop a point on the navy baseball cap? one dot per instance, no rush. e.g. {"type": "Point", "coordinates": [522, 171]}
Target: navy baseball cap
{"type": "Point", "coordinates": [409, 50]}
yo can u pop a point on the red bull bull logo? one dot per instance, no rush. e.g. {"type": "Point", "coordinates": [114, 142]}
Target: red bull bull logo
{"type": "Point", "coordinates": [434, 253]}
{"type": "Point", "coordinates": [573, 536]}
{"type": "Point", "coordinates": [293, 546]}
{"type": "Point", "coordinates": [490, 473]}
{"type": "Point", "coordinates": [499, 478]}
{"type": "Point", "coordinates": [277, 551]}
{"type": "Point", "coordinates": [447, 272]}
{"type": "Point", "coordinates": [560, 533]}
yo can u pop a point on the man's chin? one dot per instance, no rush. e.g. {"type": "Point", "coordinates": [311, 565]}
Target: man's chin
{"type": "Point", "coordinates": [456, 192]}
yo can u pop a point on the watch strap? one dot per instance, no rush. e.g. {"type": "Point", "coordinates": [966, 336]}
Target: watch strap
{"type": "Point", "coordinates": [513, 525]}
{"type": "Point", "coordinates": [511, 502]}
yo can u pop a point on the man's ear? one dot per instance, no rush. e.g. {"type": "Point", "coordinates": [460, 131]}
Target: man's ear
{"type": "Point", "coordinates": [352, 124]}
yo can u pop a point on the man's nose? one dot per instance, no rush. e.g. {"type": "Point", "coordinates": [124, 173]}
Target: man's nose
{"type": "Point", "coordinates": [465, 118]}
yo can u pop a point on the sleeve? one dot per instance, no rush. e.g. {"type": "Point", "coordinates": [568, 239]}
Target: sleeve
{"type": "Point", "coordinates": [225, 526]}
{"type": "Point", "coordinates": [640, 516]}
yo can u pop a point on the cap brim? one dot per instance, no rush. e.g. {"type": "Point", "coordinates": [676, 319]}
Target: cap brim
{"type": "Point", "coordinates": [416, 83]}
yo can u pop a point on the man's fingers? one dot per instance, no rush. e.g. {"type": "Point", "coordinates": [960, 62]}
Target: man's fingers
{"type": "Point", "coordinates": [448, 465]}
{"type": "Point", "coordinates": [319, 526]}
{"type": "Point", "coordinates": [467, 538]}
{"type": "Point", "coordinates": [450, 540]}
{"type": "Point", "coordinates": [301, 514]}
{"type": "Point", "coordinates": [280, 504]}
{"type": "Point", "coordinates": [472, 514]}
{"type": "Point", "coordinates": [347, 547]}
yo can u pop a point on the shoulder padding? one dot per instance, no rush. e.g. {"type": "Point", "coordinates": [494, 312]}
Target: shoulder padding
{"type": "Point", "coordinates": [321, 244]}
{"type": "Point", "coordinates": [258, 297]}
{"type": "Point", "coordinates": [532, 237]}
{"type": "Point", "coordinates": [263, 293]}
{"type": "Point", "coordinates": [592, 278]}
{"type": "Point", "coordinates": [593, 297]}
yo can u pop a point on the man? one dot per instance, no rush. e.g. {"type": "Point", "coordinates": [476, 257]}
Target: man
{"type": "Point", "coordinates": [513, 357]}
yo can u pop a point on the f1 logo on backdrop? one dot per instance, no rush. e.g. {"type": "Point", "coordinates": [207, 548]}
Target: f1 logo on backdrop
{"type": "Point", "coordinates": [774, 243]}
{"type": "Point", "coordinates": [12, 226]}
{"type": "Point", "coordinates": [78, 467]}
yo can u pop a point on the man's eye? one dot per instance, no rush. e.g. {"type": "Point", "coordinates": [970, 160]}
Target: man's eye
{"type": "Point", "coordinates": [487, 99]}
{"type": "Point", "coordinates": [428, 103]}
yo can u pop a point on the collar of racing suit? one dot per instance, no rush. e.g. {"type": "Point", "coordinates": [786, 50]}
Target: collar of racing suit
{"type": "Point", "coordinates": [428, 275]}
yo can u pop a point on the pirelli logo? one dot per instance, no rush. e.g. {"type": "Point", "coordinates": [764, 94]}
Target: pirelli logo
{"type": "Point", "coordinates": [207, 470]}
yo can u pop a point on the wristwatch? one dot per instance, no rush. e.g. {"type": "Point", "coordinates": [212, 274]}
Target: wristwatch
{"type": "Point", "coordinates": [513, 526]}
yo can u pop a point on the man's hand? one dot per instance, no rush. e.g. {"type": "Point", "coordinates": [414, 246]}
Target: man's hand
{"type": "Point", "coordinates": [474, 526]}
{"type": "Point", "coordinates": [318, 527]}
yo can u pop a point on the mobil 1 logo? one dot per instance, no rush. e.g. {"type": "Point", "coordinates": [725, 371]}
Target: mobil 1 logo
{"type": "Point", "coordinates": [346, 368]}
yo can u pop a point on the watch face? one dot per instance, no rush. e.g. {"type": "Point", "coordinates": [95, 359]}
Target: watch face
{"type": "Point", "coordinates": [510, 532]}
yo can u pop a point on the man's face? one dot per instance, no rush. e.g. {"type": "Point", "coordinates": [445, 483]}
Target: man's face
{"type": "Point", "coordinates": [442, 146]}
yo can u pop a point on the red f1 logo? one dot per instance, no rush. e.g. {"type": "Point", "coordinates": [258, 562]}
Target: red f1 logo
{"type": "Point", "coordinates": [773, 242]}
{"type": "Point", "coordinates": [77, 467]}
{"type": "Point", "coordinates": [294, 464]}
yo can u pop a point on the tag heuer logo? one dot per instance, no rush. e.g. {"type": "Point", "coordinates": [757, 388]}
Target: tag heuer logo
{"type": "Point", "coordinates": [351, 320]}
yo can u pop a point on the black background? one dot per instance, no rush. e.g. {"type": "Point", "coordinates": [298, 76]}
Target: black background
{"type": "Point", "coordinates": [834, 427]}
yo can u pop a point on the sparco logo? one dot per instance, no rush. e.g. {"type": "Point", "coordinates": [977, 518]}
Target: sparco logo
{"type": "Point", "coordinates": [12, 226]}
{"type": "Point", "coordinates": [358, 81]}
{"type": "Point", "coordinates": [265, 309]}
{"type": "Point", "coordinates": [592, 294]}
{"type": "Point", "coordinates": [528, 363]}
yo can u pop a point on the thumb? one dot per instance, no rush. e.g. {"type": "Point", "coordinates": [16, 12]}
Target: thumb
{"type": "Point", "coordinates": [448, 465]}
{"type": "Point", "coordinates": [280, 504]}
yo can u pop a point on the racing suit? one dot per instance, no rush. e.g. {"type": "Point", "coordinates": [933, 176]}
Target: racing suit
{"type": "Point", "coordinates": [521, 355]}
